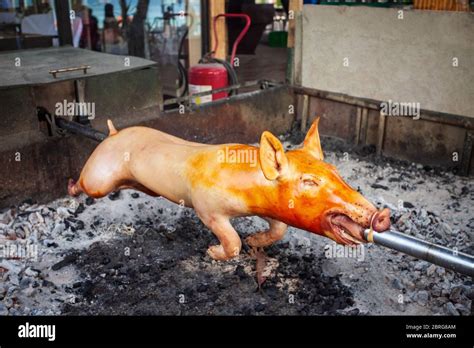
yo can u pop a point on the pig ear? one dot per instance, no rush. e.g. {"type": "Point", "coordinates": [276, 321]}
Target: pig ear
{"type": "Point", "coordinates": [272, 156]}
{"type": "Point", "coordinates": [312, 143]}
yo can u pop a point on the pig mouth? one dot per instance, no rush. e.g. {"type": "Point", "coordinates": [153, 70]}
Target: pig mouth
{"type": "Point", "coordinates": [346, 230]}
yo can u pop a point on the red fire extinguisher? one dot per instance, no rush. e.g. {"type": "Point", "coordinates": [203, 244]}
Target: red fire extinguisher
{"type": "Point", "coordinates": [212, 73]}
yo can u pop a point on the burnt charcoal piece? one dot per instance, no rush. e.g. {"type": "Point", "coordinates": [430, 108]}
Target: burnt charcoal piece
{"type": "Point", "coordinates": [90, 201]}
{"type": "Point", "coordinates": [114, 195]}
{"type": "Point", "coordinates": [80, 209]}
{"type": "Point", "coordinates": [69, 259]}
{"type": "Point", "coordinates": [378, 186]}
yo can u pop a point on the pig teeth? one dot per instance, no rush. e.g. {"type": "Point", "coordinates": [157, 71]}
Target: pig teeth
{"type": "Point", "coordinates": [346, 235]}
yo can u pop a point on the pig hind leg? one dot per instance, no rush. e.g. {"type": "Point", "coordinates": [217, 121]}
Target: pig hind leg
{"type": "Point", "coordinates": [92, 187]}
{"type": "Point", "coordinates": [100, 187]}
{"type": "Point", "coordinates": [275, 232]}
{"type": "Point", "coordinates": [96, 180]}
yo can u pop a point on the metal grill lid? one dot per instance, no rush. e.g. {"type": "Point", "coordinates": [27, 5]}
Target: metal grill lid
{"type": "Point", "coordinates": [32, 66]}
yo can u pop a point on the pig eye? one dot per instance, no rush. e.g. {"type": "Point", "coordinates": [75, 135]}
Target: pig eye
{"type": "Point", "coordinates": [309, 181]}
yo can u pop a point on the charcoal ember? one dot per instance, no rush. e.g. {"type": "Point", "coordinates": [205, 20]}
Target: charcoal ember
{"type": "Point", "coordinates": [144, 268]}
{"type": "Point", "coordinates": [69, 259]}
{"type": "Point", "coordinates": [239, 271]}
{"type": "Point", "coordinates": [378, 186]}
{"type": "Point", "coordinates": [79, 225]}
{"type": "Point", "coordinates": [89, 201]}
{"type": "Point", "coordinates": [259, 307]}
{"type": "Point", "coordinates": [80, 209]}
{"type": "Point", "coordinates": [114, 195]}
{"type": "Point", "coordinates": [202, 287]}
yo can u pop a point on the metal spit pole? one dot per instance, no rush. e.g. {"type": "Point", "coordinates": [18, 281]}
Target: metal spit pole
{"type": "Point", "coordinates": [421, 249]}
{"type": "Point", "coordinates": [78, 128]}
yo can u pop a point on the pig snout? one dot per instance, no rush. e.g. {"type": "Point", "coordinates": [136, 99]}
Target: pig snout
{"type": "Point", "coordinates": [381, 220]}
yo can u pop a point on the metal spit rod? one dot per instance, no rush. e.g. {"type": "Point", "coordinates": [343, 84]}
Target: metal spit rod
{"type": "Point", "coordinates": [421, 249]}
{"type": "Point", "coordinates": [80, 129]}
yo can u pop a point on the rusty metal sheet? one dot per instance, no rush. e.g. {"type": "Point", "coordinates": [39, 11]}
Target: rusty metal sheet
{"type": "Point", "coordinates": [423, 141]}
{"type": "Point", "coordinates": [241, 118]}
{"type": "Point", "coordinates": [34, 164]}
{"type": "Point", "coordinates": [48, 95]}
{"type": "Point", "coordinates": [433, 139]}
{"type": "Point", "coordinates": [337, 119]}
{"type": "Point", "coordinates": [16, 108]}
{"type": "Point", "coordinates": [40, 170]}
{"type": "Point", "coordinates": [128, 98]}
{"type": "Point", "coordinates": [372, 127]}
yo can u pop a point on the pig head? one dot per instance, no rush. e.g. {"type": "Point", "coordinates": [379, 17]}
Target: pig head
{"type": "Point", "coordinates": [224, 181]}
{"type": "Point", "coordinates": [317, 198]}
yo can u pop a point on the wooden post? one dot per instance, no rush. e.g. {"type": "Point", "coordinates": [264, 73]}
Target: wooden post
{"type": "Point", "coordinates": [305, 113]}
{"type": "Point", "coordinates": [364, 124]}
{"type": "Point", "coordinates": [381, 134]}
{"type": "Point", "coordinates": [194, 41]}
{"type": "Point", "coordinates": [64, 22]}
{"type": "Point", "coordinates": [217, 7]}
{"type": "Point", "coordinates": [295, 7]}
{"type": "Point", "coordinates": [358, 125]}
{"type": "Point", "coordinates": [467, 153]}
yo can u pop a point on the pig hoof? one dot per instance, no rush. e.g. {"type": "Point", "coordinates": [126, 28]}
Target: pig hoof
{"type": "Point", "coordinates": [218, 253]}
{"type": "Point", "coordinates": [71, 188]}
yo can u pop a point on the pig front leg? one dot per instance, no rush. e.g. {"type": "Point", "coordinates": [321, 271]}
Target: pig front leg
{"type": "Point", "coordinates": [275, 232]}
{"type": "Point", "coordinates": [230, 241]}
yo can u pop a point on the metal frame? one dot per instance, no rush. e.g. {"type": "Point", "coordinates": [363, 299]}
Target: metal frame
{"type": "Point", "coordinates": [187, 100]}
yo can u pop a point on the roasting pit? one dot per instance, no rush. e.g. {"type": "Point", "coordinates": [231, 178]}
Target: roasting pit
{"type": "Point", "coordinates": [133, 254]}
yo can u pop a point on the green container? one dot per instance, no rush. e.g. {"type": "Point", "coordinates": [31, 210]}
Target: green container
{"type": "Point", "coordinates": [278, 38]}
